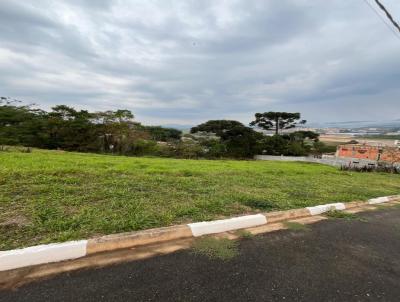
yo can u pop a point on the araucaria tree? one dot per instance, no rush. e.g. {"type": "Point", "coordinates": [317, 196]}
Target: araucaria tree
{"type": "Point", "coordinates": [117, 132]}
{"type": "Point", "coordinates": [277, 120]}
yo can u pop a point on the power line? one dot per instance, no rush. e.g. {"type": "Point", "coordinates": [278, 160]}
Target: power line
{"type": "Point", "coordinates": [382, 7]}
{"type": "Point", "coordinates": [382, 19]}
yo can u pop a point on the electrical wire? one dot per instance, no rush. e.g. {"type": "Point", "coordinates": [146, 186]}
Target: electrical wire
{"type": "Point", "coordinates": [388, 15]}
{"type": "Point", "coordinates": [382, 19]}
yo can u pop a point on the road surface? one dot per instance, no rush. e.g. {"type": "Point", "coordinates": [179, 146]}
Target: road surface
{"type": "Point", "coordinates": [334, 260]}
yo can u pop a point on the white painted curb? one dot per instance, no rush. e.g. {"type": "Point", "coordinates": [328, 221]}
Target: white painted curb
{"type": "Point", "coordinates": [378, 200]}
{"type": "Point", "coordinates": [42, 254]}
{"type": "Point", "coordinates": [75, 249]}
{"type": "Point", "coordinates": [218, 226]}
{"type": "Point", "coordinates": [326, 208]}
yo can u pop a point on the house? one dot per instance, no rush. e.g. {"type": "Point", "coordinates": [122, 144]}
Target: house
{"type": "Point", "coordinates": [369, 152]}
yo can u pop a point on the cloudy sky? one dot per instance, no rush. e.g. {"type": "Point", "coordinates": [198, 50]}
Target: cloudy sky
{"type": "Point", "coordinates": [184, 62]}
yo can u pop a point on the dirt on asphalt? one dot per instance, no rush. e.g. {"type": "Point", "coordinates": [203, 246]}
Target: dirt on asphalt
{"type": "Point", "coordinates": [332, 260]}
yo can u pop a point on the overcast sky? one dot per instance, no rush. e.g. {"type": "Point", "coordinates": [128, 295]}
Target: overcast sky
{"type": "Point", "coordinates": [186, 62]}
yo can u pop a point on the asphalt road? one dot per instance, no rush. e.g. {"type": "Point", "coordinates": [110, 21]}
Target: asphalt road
{"type": "Point", "coordinates": [335, 260]}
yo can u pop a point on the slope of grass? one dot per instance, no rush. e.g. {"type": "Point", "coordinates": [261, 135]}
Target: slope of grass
{"type": "Point", "coordinates": [50, 196]}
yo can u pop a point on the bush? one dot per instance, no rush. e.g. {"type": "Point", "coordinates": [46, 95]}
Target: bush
{"type": "Point", "coordinates": [189, 150]}
{"type": "Point", "coordinates": [275, 145]}
{"type": "Point", "coordinates": [373, 168]}
{"type": "Point", "coordinates": [142, 147]}
{"type": "Point", "coordinates": [320, 148]}
{"type": "Point", "coordinates": [214, 148]}
{"type": "Point", "coordinates": [296, 149]}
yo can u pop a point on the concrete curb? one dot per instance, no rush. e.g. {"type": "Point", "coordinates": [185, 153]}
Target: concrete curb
{"type": "Point", "coordinates": [220, 226]}
{"type": "Point", "coordinates": [379, 200]}
{"type": "Point", "coordinates": [41, 254]}
{"type": "Point", "coordinates": [131, 239]}
{"type": "Point", "coordinates": [317, 210]}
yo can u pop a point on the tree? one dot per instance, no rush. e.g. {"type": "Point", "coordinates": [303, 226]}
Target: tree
{"type": "Point", "coordinates": [296, 144]}
{"type": "Point", "coordinates": [118, 132]}
{"type": "Point", "coordinates": [240, 141]}
{"type": "Point", "coordinates": [124, 116]}
{"type": "Point", "coordinates": [188, 150]}
{"type": "Point", "coordinates": [162, 134]}
{"type": "Point", "coordinates": [303, 135]}
{"type": "Point", "coordinates": [213, 148]}
{"type": "Point", "coordinates": [275, 145]}
{"type": "Point", "coordinates": [320, 148]}
{"type": "Point", "coordinates": [20, 124]}
{"type": "Point", "coordinates": [277, 120]}
{"type": "Point", "coordinates": [113, 117]}
{"type": "Point", "coordinates": [217, 127]}
{"type": "Point", "coordinates": [69, 129]}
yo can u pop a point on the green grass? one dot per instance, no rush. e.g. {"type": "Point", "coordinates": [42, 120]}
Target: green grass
{"type": "Point", "coordinates": [48, 196]}
{"type": "Point", "coordinates": [295, 226]}
{"type": "Point", "coordinates": [216, 248]}
{"type": "Point", "coordinates": [344, 215]}
{"type": "Point", "coordinates": [244, 234]}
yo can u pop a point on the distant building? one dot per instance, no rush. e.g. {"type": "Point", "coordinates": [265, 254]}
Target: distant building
{"type": "Point", "coordinates": [371, 152]}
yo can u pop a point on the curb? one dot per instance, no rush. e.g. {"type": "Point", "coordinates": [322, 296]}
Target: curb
{"type": "Point", "coordinates": [55, 252]}
{"type": "Point", "coordinates": [131, 239]}
{"type": "Point", "coordinates": [40, 254]}
{"type": "Point", "coordinates": [220, 226]}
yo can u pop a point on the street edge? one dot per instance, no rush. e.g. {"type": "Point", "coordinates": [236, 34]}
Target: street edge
{"type": "Point", "coordinates": [55, 252]}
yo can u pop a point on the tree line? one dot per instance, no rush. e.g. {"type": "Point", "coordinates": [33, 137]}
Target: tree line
{"type": "Point", "coordinates": [117, 132]}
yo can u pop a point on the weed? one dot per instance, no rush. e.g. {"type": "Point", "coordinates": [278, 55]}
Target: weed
{"type": "Point", "coordinates": [344, 215]}
{"type": "Point", "coordinates": [216, 248]}
{"type": "Point", "coordinates": [295, 226]}
{"type": "Point", "coordinates": [385, 168]}
{"type": "Point", "coordinates": [244, 234]}
{"type": "Point", "coordinates": [26, 150]}
{"type": "Point", "coordinates": [384, 206]}
{"type": "Point", "coordinates": [260, 204]}
{"type": "Point", "coordinates": [377, 207]}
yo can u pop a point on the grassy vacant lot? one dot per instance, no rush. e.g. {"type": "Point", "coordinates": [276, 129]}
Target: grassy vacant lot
{"type": "Point", "coordinates": [50, 196]}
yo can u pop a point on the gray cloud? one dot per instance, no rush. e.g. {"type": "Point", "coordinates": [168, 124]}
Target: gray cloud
{"type": "Point", "coordinates": [189, 61]}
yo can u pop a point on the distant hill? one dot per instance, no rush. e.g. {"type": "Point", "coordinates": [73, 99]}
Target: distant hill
{"type": "Point", "coordinates": [178, 126]}
{"type": "Point", "coordinates": [358, 124]}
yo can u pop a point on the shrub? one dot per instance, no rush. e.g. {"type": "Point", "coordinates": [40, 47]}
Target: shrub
{"type": "Point", "coordinates": [372, 168]}
{"type": "Point", "coordinates": [142, 147]}
{"type": "Point", "coordinates": [189, 150]}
